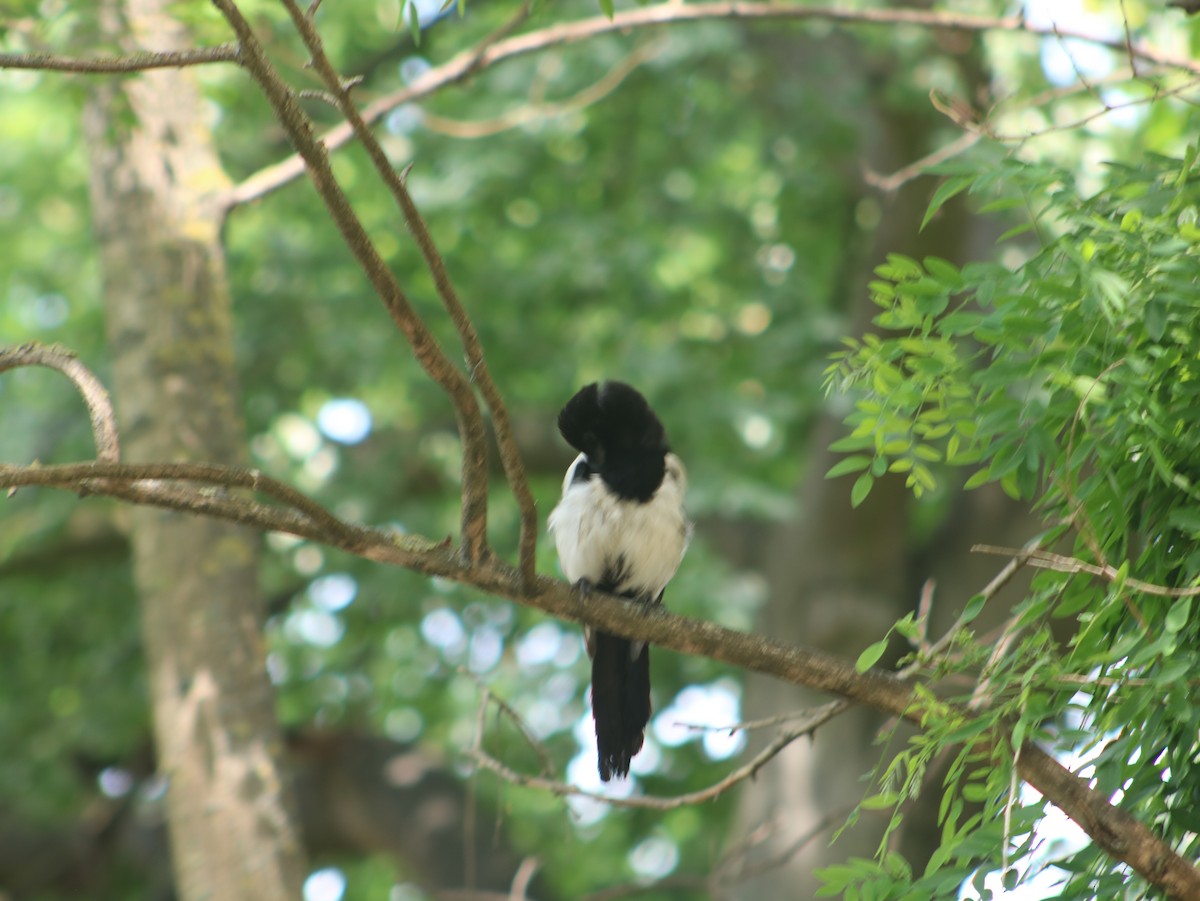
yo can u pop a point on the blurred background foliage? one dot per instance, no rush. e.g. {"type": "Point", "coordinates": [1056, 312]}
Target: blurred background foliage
{"type": "Point", "coordinates": [700, 227]}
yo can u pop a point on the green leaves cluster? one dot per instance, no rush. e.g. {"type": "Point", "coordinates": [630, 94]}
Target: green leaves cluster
{"type": "Point", "coordinates": [1088, 344]}
{"type": "Point", "coordinates": [1070, 376]}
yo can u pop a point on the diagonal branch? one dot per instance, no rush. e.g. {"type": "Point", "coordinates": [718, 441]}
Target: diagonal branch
{"type": "Point", "coordinates": [477, 367]}
{"type": "Point", "coordinates": [541, 110]}
{"type": "Point", "coordinates": [1047, 560]}
{"type": "Point", "coordinates": [1113, 830]}
{"type": "Point", "coordinates": [491, 52]}
{"type": "Point", "coordinates": [451, 379]}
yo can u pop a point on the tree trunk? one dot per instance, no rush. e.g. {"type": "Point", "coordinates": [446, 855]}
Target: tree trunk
{"type": "Point", "coordinates": [154, 174]}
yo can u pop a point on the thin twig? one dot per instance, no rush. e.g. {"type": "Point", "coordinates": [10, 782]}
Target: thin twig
{"type": "Point", "coordinates": [521, 879]}
{"type": "Point", "coordinates": [817, 718]}
{"type": "Point", "coordinates": [1079, 122]}
{"type": "Point", "coordinates": [825, 711]}
{"type": "Point", "coordinates": [924, 611]}
{"type": "Point", "coordinates": [93, 392]}
{"type": "Point", "coordinates": [506, 28]}
{"type": "Point", "coordinates": [1080, 75]}
{"type": "Point", "coordinates": [530, 112]}
{"type": "Point", "coordinates": [982, 693]}
{"type": "Point", "coordinates": [889, 184]}
{"type": "Point", "coordinates": [975, 128]}
{"type": "Point", "coordinates": [1133, 71]}
{"type": "Point", "coordinates": [1060, 563]}
{"type": "Point", "coordinates": [1001, 579]}
{"type": "Point", "coordinates": [794, 847]}
{"type": "Point", "coordinates": [487, 696]}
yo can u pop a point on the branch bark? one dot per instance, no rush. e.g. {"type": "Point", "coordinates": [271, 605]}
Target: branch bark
{"type": "Point", "coordinates": [114, 65]}
{"type": "Point", "coordinates": [1112, 829]}
{"type": "Point", "coordinates": [425, 347]}
{"type": "Point", "coordinates": [93, 392]}
{"type": "Point", "coordinates": [480, 374]}
{"type": "Point", "coordinates": [492, 52]}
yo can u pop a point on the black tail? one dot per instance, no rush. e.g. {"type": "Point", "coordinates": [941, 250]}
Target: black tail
{"type": "Point", "coordinates": [620, 702]}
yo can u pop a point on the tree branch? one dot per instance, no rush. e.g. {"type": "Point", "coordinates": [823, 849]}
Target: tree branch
{"type": "Point", "coordinates": [1047, 560]}
{"type": "Point", "coordinates": [69, 475]}
{"type": "Point", "coordinates": [815, 718]}
{"type": "Point", "coordinates": [94, 394]}
{"type": "Point", "coordinates": [425, 347]}
{"type": "Point", "coordinates": [134, 62]}
{"type": "Point", "coordinates": [477, 367]}
{"type": "Point", "coordinates": [506, 121]}
{"type": "Point", "coordinates": [491, 52]}
{"type": "Point", "coordinates": [1113, 830]}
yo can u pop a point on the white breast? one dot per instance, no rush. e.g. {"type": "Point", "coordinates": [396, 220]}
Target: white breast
{"type": "Point", "coordinates": [596, 533]}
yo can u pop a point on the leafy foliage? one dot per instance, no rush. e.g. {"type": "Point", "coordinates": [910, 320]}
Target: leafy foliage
{"type": "Point", "coordinates": [1071, 379]}
{"type": "Point", "coordinates": [690, 232]}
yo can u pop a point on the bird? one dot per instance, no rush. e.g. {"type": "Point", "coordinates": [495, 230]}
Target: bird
{"type": "Point", "coordinates": [619, 527]}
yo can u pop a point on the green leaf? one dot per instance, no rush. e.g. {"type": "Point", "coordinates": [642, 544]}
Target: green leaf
{"type": "Point", "coordinates": [855, 463]}
{"type": "Point", "coordinates": [974, 608]}
{"type": "Point", "coordinates": [1178, 615]}
{"type": "Point", "coordinates": [982, 477]}
{"type": "Point", "coordinates": [871, 654]}
{"type": "Point", "coordinates": [900, 268]}
{"type": "Point", "coordinates": [944, 271]}
{"type": "Point", "coordinates": [1010, 485]}
{"type": "Point", "coordinates": [975, 792]}
{"type": "Point", "coordinates": [946, 191]}
{"type": "Point", "coordinates": [850, 443]}
{"type": "Point", "coordinates": [1015, 230]}
{"type": "Point", "coordinates": [606, 7]}
{"type": "Point", "coordinates": [414, 23]}
{"type": "Point", "coordinates": [927, 453]}
{"type": "Point", "coordinates": [968, 730]}
{"type": "Point", "coordinates": [883, 799]}
{"type": "Point", "coordinates": [1018, 734]}
{"type": "Point", "coordinates": [1186, 518]}
{"type": "Point", "coordinates": [907, 625]}
{"type": "Point", "coordinates": [862, 487]}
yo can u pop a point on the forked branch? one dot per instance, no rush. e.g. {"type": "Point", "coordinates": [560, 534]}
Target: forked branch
{"type": "Point", "coordinates": [477, 367]}
{"type": "Point", "coordinates": [432, 358]}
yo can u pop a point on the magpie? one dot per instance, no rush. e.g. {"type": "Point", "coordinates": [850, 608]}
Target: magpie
{"type": "Point", "coordinates": [620, 527]}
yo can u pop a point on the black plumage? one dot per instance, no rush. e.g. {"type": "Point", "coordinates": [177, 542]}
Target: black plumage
{"type": "Point", "coordinates": [619, 528]}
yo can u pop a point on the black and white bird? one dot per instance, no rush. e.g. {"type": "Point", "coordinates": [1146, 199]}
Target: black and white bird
{"type": "Point", "coordinates": [620, 527]}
